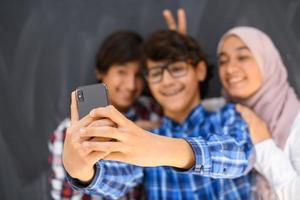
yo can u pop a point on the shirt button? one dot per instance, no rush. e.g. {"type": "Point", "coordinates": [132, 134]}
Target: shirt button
{"type": "Point", "coordinates": [201, 168]}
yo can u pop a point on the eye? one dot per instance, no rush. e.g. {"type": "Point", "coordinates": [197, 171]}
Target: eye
{"type": "Point", "coordinates": [223, 61]}
{"type": "Point", "coordinates": [243, 58]}
{"type": "Point", "coordinates": [154, 72]}
{"type": "Point", "coordinates": [177, 68]}
{"type": "Point", "coordinates": [122, 72]}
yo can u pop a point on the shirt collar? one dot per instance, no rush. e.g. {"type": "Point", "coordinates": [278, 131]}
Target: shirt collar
{"type": "Point", "coordinates": [195, 117]}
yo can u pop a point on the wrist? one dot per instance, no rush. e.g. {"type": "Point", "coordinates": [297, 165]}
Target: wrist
{"type": "Point", "coordinates": [179, 153]}
{"type": "Point", "coordinates": [86, 177]}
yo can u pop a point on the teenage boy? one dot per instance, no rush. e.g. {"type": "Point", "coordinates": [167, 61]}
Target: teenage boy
{"type": "Point", "coordinates": [118, 66]}
{"type": "Point", "coordinates": [194, 154]}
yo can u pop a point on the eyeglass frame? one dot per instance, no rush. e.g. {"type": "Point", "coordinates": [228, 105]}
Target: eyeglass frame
{"type": "Point", "coordinates": [166, 67]}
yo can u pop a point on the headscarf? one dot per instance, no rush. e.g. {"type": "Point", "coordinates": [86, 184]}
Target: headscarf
{"type": "Point", "coordinates": [275, 102]}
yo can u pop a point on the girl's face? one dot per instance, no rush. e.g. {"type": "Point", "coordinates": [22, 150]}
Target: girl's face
{"type": "Point", "coordinates": [239, 72]}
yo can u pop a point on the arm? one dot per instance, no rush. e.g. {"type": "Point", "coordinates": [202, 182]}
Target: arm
{"type": "Point", "coordinates": [278, 169]}
{"type": "Point", "coordinates": [281, 168]}
{"type": "Point", "coordinates": [112, 179]}
{"type": "Point", "coordinates": [227, 150]}
{"type": "Point", "coordinates": [86, 169]}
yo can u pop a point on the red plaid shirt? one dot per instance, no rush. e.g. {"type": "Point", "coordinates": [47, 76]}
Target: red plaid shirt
{"type": "Point", "coordinates": [144, 109]}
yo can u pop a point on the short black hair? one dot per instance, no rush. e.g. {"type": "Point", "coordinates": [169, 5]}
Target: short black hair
{"type": "Point", "coordinates": [119, 48]}
{"type": "Point", "coordinates": [172, 46]}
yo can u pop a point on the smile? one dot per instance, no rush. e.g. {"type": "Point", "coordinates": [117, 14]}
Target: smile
{"type": "Point", "coordinates": [172, 92]}
{"type": "Point", "coordinates": [235, 80]}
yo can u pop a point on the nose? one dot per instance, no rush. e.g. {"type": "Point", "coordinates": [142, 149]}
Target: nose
{"type": "Point", "coordinates": [130, 82]}
{"type": "Point", "coordinates": [167, 78]}
{"type": "Point", "coordinates": [232, 66]}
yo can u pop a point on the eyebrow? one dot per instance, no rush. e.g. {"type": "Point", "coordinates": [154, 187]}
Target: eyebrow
{"type": "Point", "coordinates": [237, 49]}
{"type": "Point", "coordinates": [242, 48]}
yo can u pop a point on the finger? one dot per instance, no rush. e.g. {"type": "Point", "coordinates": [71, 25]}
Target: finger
{"type": "Point", "coordinates": [170, 20]}
{"type": "Point", "coordinates": [111, 113]}
{"type": "Point", "coordinates": [85, 151]}
{"type": "Point", "coordinates": [147, 124]}
{"type": "Point", "coordinates": [181, 21]}
{"type": "Point", "coordinates": [101, 132]}
{"type": "Point", "coordinates": [103, 146]}
{"type": "Point", "coordinates": [116, 156]}
{"type": "Point", "coordinates": [102, 122]}
{"type": "Point", "coordinates": [241, 109]}
{"type": "Point", "coordinates": [98, 139]}
{"type": "Point", "coordinates": [75, 127]}
{"type": "Point", "coordinates": [95, 156]}
{"type": "Point", "coordinates": [74, 112]}
{"type": "Point", "coordinates": [246, 113]}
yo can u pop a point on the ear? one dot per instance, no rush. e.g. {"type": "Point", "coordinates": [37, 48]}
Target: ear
{"type": "Point", "coordinates": [99, 75]}
{"type": "Point", "coordinates": [201, 70]}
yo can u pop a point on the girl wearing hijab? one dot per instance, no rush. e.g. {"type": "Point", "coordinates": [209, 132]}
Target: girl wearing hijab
{"type": "Point", "coordinates": [253, 75]}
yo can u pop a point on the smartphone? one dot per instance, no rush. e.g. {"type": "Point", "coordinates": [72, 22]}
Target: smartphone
{"type": "Point", "coordinates": [91, 96]}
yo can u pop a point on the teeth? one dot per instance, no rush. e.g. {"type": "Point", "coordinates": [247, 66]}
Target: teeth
{"type": "Point", "coordinates": [170, 93]}
{"type": "Point", "coordinates": [235, 80]}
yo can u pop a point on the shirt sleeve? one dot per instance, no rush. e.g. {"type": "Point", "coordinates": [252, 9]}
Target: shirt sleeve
{"type": "Point", "coordinates": [281, 171]}
{"type": "Point", "coordinates": [112, 179]}
{"type": "Point", "coordinates": [226, 151]}
{"type": "Point", "coordinates": [59, 186]}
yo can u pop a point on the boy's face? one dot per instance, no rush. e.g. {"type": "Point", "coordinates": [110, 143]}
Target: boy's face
{"type": "Point", "coordinates": [177, 89]}
{"type": "Point", "coordinates": [124, 83]}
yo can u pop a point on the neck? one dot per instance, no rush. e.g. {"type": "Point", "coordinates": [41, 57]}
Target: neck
{"type": "Point", "coordinates": [180, 115]}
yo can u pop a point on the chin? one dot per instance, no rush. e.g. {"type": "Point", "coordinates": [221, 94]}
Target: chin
{"type": "Point", "coordinates": [175, 107]}
{"type": "Point", "coordinates": [238, 94]}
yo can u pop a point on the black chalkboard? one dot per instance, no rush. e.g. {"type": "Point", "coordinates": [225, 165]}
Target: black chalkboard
{"type": "Point", "coordinates": [47, 49]}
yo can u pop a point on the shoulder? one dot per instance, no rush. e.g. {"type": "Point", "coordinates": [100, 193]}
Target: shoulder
{"type": "Point", "coordinates": [147, 108]}
{"type": "Point", "coordinates": [55, 143]}
{"type": "Point", "coordinates": [213, 104]}
{"type": "Point", "coordinates": [63, 125]}
{"type": "Point", "coordinates": [294, 137]}
{"type": "Point", "coordinates": [60, 130]}
{"type": "Point", "coordinates": [226, 116]}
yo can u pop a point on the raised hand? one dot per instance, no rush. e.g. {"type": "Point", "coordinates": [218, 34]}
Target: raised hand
{"type": "Point", "coordinates": [78, 162]}
{"type": "Point", "coordinates": [257, 127]}
{"type": "Point", "coordinates": [171, 22]}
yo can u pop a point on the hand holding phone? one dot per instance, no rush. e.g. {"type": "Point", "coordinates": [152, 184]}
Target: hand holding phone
{"type": "Point", "coordinates": [91, 96]}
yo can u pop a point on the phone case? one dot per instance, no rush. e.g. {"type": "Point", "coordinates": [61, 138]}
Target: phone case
{"type": "Point", "coordinates": [91, 96]}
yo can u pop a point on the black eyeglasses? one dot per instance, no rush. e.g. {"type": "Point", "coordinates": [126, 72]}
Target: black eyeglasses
{"type": "Point", "coordinates": [176, 70]}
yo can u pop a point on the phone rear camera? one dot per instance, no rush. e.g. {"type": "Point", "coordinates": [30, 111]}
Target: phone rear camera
{"type": "Point", "coordinates": [80, 96]}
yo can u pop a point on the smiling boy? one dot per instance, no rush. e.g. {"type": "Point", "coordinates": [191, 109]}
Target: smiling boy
{"type": "Point", "coordinates": [194, 154]}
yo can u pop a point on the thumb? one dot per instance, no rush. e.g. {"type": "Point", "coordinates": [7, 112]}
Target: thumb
{"type": "Point", "coordinates": [74, 111]}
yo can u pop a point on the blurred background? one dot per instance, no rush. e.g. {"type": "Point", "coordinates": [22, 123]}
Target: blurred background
{"type": "Point", "coordinates": [47, 49]}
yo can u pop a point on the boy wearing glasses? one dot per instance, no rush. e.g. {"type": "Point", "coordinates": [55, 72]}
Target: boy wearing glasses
{"type": "Point", "coordinates": [194, 154]}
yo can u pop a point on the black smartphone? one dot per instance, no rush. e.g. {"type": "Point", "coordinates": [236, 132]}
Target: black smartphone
{"type": "Point", "coordinates": [91, 96]}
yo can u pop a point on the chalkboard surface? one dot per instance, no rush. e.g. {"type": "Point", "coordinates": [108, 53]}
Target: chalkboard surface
{"type": "Point", "coordinates": [47, 49]}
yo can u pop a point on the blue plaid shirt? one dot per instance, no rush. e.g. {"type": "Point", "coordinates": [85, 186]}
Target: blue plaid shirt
{"type": "Point", "coordinates": [222, 147]}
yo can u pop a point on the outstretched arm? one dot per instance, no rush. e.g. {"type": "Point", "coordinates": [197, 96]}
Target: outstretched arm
{"type": "Point", "coordinates": [223, 154]}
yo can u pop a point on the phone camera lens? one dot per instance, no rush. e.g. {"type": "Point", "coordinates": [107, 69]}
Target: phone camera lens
{"type": "Point", "coordinates": [80, 95]}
